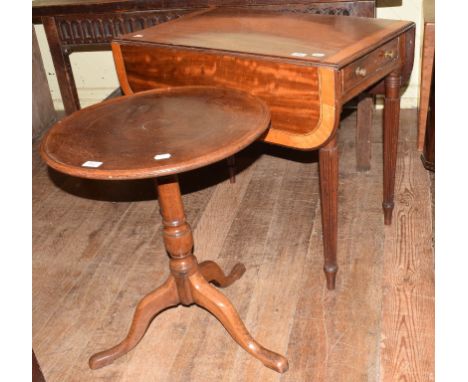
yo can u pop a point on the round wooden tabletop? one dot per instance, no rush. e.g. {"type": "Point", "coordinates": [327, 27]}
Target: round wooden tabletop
{"type": "Point", "coordinates": [155, 133]}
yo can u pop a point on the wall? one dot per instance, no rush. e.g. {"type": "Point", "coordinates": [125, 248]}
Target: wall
{"type": "Point", "coordinates": [43, 112]}
{"type": "Point", "coordinates": [96, 78]}
{"type": "Point", "coordinates": [409, 10]}
{"type": "Point", "coordinates": [94, 73]}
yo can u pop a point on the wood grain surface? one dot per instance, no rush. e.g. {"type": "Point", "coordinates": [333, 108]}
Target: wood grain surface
{"type": "Point", "coordinates": [272, 34]}
{"type": "Point", "coordinates": [271, 55]}
{"type": "Point", "coordinates": [291, 92]}
{"type": "Point", "coordinates": [186, 128]}
{"type": "Point", "coordinates": [302, 99]}
{"type": "Point", "coordinates": [98, 248]}
{"type": "Point", "coordinates": [365, 112]}
{"type": "Point", "coordinates": [407, 328]}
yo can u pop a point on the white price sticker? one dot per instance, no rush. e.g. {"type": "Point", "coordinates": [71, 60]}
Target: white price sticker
{"type": "Point", "coordinates": [91, 163]}
{"type": "Point", "coordinates": [298, 54]}
{"type": "Point", "coordinates": [162, 156]}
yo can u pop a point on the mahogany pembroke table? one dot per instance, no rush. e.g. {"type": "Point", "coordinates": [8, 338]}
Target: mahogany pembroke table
{"type": "Point", "coordinates": [305, 67]}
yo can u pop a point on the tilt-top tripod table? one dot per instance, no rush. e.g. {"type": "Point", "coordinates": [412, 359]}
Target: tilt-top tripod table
{"type": "Point", "coordinates": [158, 134]}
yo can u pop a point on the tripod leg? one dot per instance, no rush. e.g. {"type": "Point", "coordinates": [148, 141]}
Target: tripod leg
{"type": "Point", "coordinates": [212, 272]}
{"type": "Point", "coordinates": [216, 303]}
{"type": "Point", "coordinates": [163, 297]}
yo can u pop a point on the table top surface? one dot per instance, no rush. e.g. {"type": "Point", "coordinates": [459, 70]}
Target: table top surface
{"type": "Point", "coordinates": [155, 133]}
{"type": "Point", "coordinates": [317, 39]}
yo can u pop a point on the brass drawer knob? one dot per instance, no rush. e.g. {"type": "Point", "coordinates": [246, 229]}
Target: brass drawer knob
{"type": "Point", "coordinates": [389, 54]}
{"type": "Point", "coordinates": [360, 71]}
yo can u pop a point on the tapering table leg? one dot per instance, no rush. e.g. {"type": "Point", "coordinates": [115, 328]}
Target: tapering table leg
{"type": "Point", "coordinates": [391, 124]}
{"type": "Point", "coordinates": [328, 172]}
{"type": "Point", "coordinates": [364, 113]}
{"type": "Point", "coordinates": [231, 161]}
{"type": "Point", "coordinates": [188, 284]}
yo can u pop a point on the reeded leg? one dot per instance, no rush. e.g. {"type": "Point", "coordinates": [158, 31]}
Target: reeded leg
{"type": "Point", "coordinates": [153, 303]}
{"type": "Point", "coordinates": [363, 132]}
{"type": "Point", "coordinates": [216, 303]}
{"type": "Point", "coordinates": [231, 161]}
{"type": "Point", "coordinates": [391, 126]}
{"type": "Point", "coordinates": [328, 172]}
{"type": "Point", "coordinates": [212, 272]}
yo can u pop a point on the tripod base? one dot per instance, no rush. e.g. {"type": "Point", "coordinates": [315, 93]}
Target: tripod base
{"type": "Point", "coordinates": [189, 284]}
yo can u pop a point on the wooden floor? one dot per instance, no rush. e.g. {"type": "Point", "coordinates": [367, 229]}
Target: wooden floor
{"type": "Point", "coordinates": [97, 249]}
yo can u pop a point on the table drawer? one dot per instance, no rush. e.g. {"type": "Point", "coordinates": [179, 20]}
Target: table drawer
{"type": "Point", "coordinates": [365, 68]}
